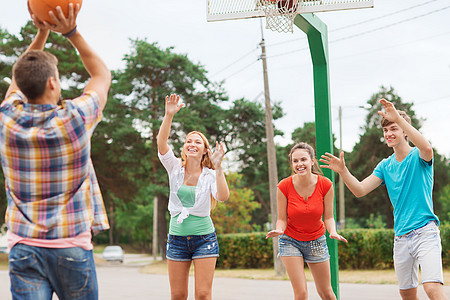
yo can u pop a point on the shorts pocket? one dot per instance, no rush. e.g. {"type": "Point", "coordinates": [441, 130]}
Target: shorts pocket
{"type": "Point", "coordinates": [209, 237]}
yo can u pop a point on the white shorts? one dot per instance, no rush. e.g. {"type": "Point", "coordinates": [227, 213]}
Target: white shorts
{"type": "Point", "coordinates": [418, 247]}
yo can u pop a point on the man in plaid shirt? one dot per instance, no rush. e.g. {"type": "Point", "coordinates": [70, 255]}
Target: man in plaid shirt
{"type": "Point", "coordinates": [54, 199]}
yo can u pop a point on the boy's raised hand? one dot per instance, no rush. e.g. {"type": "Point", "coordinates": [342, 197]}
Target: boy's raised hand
{"type": "Point", "coordinates": [60, 24]}
{"type": "Point", "coordinates": [332, 162]}
{"type": "Point", "coordinates": [391, 113]}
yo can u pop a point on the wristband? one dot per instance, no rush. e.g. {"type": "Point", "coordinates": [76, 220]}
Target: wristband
{"type": "Point", "coordinates": [70, 33]}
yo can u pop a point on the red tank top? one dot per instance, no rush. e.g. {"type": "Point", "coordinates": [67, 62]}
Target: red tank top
{"type": "Point", "coordinates": [304, 218]}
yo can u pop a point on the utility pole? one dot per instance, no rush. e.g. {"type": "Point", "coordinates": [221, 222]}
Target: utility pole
{"type": "Point", "coordinates": [271, 158]}
{"type": "Point", "coordinates": [155, 228]}
{"type": "Point", "coordinates": [341, 181]}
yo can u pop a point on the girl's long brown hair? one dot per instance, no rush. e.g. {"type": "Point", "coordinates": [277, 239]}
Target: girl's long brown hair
{"type": "Point", "coordinates": [206, 162]}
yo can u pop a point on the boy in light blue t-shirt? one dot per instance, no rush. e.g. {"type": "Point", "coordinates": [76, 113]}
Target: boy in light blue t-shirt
{"type": "Point", "coordinates": [408, 176]}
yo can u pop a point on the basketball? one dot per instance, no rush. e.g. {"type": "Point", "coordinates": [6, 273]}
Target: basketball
{"type": "Point", "coordinates": [41, 8]}
{"type": "Point", "coordinates": [287, 6]}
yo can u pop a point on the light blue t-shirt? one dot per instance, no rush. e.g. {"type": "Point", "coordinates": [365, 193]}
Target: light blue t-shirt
{"type": "Point", "coordinates": [410, 185]}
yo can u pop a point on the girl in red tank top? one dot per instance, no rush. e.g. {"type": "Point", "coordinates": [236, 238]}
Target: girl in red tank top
{"type": "Point", "coordinates": [303, 199]}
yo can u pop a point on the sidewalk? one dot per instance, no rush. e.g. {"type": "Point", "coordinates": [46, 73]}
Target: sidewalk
{"type": "Point", "coordinates": [126, 282]}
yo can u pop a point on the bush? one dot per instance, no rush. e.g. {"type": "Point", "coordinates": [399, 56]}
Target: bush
{"type": "Point", "coordinates": [245, 251]}
{"type": "Point", "coordinates": [366, 249]}
{"type": "Point", "coordinates": [445, 237]}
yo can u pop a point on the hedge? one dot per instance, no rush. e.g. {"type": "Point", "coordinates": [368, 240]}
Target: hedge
{"type": "Point", "coordinates": [244, 251]}
{"type": "Point", "coordinates": [366, 249]}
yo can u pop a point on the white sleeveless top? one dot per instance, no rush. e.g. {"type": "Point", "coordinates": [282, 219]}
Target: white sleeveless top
{"type": "Point", "coordinates": [206, 186]}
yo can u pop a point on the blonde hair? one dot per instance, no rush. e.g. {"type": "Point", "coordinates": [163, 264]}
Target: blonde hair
{"type": "Point", "coordinates": [305, 146]}
{"type": "Point", "coordinates": [206, 162]}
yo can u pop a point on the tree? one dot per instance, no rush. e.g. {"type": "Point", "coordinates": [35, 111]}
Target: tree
{"type": "Point", "coordinates": [120, 155]}
{"type": "Point", "coordinates": [306, 134]}
{"type": "Point", "coordinates": [246, 140]}
{"type": "Point", "coordinates": [441, 189]}
{"type": "Point", "coordinates": [235, 215]}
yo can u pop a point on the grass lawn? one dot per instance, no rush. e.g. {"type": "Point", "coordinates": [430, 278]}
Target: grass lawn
{"type": "Point", "coordinates": [345, 276]}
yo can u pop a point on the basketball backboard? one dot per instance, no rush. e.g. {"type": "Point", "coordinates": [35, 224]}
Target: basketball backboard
{"type": "Point", "coordinates": [220, 10]}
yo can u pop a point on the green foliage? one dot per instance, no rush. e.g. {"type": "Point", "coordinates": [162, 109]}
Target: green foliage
{"type": "Point", "coordinates": [444, 204]}
{"type": "Point", "coordinates": [366, 249]}
{"type": "Point", "coordinates": [306, 134]}
{"type": "Point", "coordinates": [375, 222]}
{"type": "Point", "coordinates": [134, 219]}
{"type": "Point", "coordinates": [441, 189]}
{"type": "Point", "coordinates": [244, 251]}
{"type": "Point", "coordinates": [246, 140]}
{"type": "Point", "coordinates": [235, 215]}
{"type": "Point", "coordinates": [445, 238]}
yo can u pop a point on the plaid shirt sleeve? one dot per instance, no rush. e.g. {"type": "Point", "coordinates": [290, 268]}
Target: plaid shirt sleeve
{"type": "Point", "coordinates": [100, 221]}
{"type": "Point", "coordinates": [13, 96]}
{"type": "Point", "coordinates": [89, 108]}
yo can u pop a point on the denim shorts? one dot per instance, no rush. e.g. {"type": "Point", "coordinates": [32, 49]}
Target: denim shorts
{"type": "Point", "coordinates": [187, 248]}
{"type": "Point", "coordinates": [314, 251]}
{"type": "Point", "coordinates": [422, 247]}
{"type": "Point", "coordinates": [36, 273]}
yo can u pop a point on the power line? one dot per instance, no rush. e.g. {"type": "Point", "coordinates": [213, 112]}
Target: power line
{"type": "Point", "coordinates": [233, 63]}
{"type": "Point", "coordinates": [383, 16]}
{"type": "Point", "coordinates": [240, 70]}
{"type": "Point", "coordinates": [432, 100]}
{"type": "Point", "coordinates": [289, 52]}
{"type": "Point", "coordinates": [340, 39]}
{"type": "Point", "coordinates": [371, 30]}
{"type": "Point", "coordinates": [370, 51]}
{"type": "Point", "coordinates": [390, 25]}
{"type": "Point", "coordinates": [392, 46]}
{"type": "Point", "coordinates": [359, 23]}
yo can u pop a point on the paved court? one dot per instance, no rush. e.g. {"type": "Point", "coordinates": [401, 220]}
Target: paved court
{"type": "Point", "coordinates": [125, 282]}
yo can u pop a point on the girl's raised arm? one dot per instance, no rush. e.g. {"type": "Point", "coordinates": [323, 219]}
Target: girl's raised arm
{"type": "Point", "coordinates": [172, 107]}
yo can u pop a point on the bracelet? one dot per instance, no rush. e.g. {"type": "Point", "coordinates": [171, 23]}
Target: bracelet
{"type": "Point", "coordinates": [70, 33]}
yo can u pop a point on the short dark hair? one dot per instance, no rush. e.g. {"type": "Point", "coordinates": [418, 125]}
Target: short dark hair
{"type": "Point", "coordinates": [404, 115]}
{"type": "Point", "coordinates": [32, 70]}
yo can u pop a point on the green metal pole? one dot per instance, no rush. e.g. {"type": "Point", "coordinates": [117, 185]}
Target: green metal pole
{"type": "Point", "coordinates": [317, 34]}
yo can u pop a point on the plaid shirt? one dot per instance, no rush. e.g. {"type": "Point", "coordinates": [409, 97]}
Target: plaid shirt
{"type": "Point", "coordinates": [51, 186]}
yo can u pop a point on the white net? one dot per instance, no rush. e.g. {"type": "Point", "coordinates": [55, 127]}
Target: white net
{"type": "Point", "coordinates": [280, 14]}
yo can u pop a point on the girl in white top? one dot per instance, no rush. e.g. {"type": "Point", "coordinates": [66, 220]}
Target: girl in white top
{"type": "Point", "coordinates": [194, 182]}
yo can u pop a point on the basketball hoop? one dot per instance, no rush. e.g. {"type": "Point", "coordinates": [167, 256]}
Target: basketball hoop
{"type": "Point", "coordinates": [280, 14]}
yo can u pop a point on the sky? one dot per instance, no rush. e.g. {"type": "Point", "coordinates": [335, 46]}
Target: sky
{"type": "Point", "coordinates": [403, 43]}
